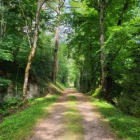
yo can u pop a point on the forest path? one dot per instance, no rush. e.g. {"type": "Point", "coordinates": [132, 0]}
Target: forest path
{"type": "Point", "coordinates": [53, 127]}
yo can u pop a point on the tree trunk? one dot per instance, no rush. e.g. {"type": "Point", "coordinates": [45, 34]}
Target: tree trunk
{"type": "Point", "coordinates": [32, 52]}
{"type": "Point", "coordinates": [55, 63]}
{"type": "Point", "coordinates": [109, 81]}
{"type": "Point", "coordinates": [102, 39]}
{"type": "Point", "coordinates": [81, 80]}
{"type": "Point", "coordinates": [55, 68]}
{"type": "Point", "coordinates": [2, 18]}
{"type": "Point", "coordinates": [125, 7]}
{"type": "Point", "coordinates": [91, 82]}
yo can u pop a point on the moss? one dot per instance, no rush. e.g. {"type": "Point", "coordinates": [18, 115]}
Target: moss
{"type": "Point", "coordinates": [97, 92]}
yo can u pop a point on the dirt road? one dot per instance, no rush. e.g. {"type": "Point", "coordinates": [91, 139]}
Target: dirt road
{"type": "Point", "coordinates": [53, 127]}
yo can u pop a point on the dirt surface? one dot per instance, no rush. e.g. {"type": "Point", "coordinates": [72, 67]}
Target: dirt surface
{"type": "Point", "coordinates": [52, 128]}
{"type": "Point", "coordinates": [93, 122]}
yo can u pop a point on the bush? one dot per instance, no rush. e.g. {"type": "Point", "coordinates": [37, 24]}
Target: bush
{"type": "Point", "coordinates": [125, 103]}
{"type": "Point", "coordinates": [9, 105]}
{"type": "Point", "coordinates": [126, 127]}
{"type": "Point", "coordinates": [135, 109]}
{"type": "Point", "coordinates": [12, 102]}
{"type": "Point", "coordinates": [130, 104]}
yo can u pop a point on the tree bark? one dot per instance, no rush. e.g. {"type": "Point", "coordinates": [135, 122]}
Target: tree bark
{"type": "Point", "coordinates": [109, 81]}
{"type": "Point", "coordinates": [92, 65]}
{"type": "Point", "coordinates": [32, 52]}
{"type": "Point", "coordinates": [102, 39]}
{"type": "Point", "coordinates": [2, 18]}
{"type": "Point", "coordinates": [125, 7]}
{"type": "Point", "coordinates": [55, 63]}
{"type": "Point", "coordinates": [55, 67]}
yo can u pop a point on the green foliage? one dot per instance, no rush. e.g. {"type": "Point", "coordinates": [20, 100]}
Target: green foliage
{"type": "Point", "coordinates": [4, 82]}
{"type": "Point", "coordinates": [43, 61]}
{"type": "Point", "coordinates": [64, 66]}
{"type": "Point", "coordinates": [125, 126]}
{"type": "Point", "coordinates": [5, 55]}
{"type": "Point", "coordinates": [130, 104]}
{"type": "Point", "coordinates": [14, 45]}
{"type": "Point", "coordinates": [122, 58]}
{"type": "Point", "coordinates": [9, 105]}
{"type": "Point", "coordinates": [83, 47]}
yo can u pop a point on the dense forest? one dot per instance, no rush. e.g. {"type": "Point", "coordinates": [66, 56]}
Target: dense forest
{"type": "Point", "coordinates": [92, 45]}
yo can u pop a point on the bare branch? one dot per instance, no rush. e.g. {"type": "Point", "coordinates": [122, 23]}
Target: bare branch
{"type": "Point", "coordinates": [42, 4]}
{"type": "Point", "coordinates": [52, 8]}
{"type": "Point", "coordinates": [26, 22]}
{"type": "Point", "coordinates": [70, 7]}
{"type": "Point", "coordinates": [62, 4]}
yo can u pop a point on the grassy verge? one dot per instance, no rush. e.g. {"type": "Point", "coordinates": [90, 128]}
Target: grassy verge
{"type": "Point", "coordinates": [73, 120]}
{"type": "Point", "coordinates": [56, 88]}
{"type": "Point", "coordinates": [13, 105]}
{"type": "Point", "coordinates": [19, 125]}
{"type": "Point", "coordinates": [125, 126]}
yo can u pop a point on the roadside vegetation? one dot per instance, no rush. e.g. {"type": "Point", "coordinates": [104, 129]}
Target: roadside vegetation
{"type": "Point", "coordinates": [20, 124]}
{"type": "Point", "coordinates": [13, 105]}
{"type": "Point", "coordinates": [127, 127]}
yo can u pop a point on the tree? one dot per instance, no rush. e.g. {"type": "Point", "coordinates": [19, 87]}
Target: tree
{"type": "Point", "coordinates": [57, 9]}
{"type": "Point", "coordinates": [101, 7]}
{"type": "Point", "coordinates": [32, 52]}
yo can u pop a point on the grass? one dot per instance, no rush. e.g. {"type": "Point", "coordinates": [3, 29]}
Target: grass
{"type": "Point", "coordinates": [19, 125]}
{"type": "Point", "coordinates": [73, 120]}
{"type": "Point", "coordinates": [56, 89]}
{"type": "Point", "coordinates": [72, 98]}
{"type": "Point", "coordinates": [125, 126]}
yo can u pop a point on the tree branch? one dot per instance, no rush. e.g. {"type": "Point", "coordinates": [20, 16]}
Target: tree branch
{"type": "Point", "coordinates": [42, 4]}
{"type": "Point", "coordinates": [52, 8]}
{"type": "Point", "coordinates": [62, 4]}
{"type": "Point", "coordinates": [71, 7]}
{"type": "Point", "coordinates": [26, 22]}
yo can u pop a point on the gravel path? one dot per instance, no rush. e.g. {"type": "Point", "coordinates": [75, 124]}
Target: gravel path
{"type": "Point", "coordinates": [52, 127]}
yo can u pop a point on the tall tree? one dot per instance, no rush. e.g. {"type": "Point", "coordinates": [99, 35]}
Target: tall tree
{"type": "Point", "coordinates": [32, 52]}
{"type": "Point", "coordinates": [124, 9]}
{"type": "Point", "coordinates": [102, 6]}
{"type": "Point", "coordinates": [57, 9]}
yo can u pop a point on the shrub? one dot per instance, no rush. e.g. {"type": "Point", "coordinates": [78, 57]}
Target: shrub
{"type": "Point", "coordinates": [130, 104]}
